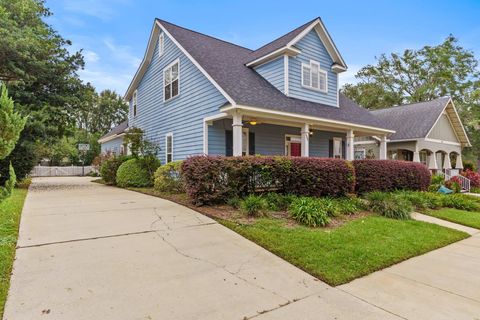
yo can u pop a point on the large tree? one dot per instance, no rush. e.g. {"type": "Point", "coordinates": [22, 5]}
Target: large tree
{"type": "Point", "coordinates": [446, 69]}
{"type": "Point", "coordinates": [41, 75]}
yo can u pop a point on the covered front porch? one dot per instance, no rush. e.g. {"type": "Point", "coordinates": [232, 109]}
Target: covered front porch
{"type": "Point", "coordinates": [263, 132]}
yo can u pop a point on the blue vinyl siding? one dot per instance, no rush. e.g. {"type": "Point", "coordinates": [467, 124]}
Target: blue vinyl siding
{"type": "Point", "coordinates": [182, 115]}
{"type": "Point", "coordinates": [273, 72]}
{"type": "Point", "coordinates": [112, 145]}
{"type": "Point", "coordinates": [269, 138]}
{"type": "Point", "coordinates": [312, 48]}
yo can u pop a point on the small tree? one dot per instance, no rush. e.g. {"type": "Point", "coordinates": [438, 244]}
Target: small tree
{"type": "Point", "coordinates": [11, 124]}
{"type": "Point", "coordinates": [139, 145]}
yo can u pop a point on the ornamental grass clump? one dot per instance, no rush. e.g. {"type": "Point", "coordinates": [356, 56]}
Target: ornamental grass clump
{"type": "Point", "coordinates": [390, 205]}
{"type": "Point", "coordinates": [253, 206]}
{"type": "Point", "coordinates": [308, 211]}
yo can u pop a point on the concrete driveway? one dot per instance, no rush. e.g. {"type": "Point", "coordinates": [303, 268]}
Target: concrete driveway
{"type": "Point", "coordinates": [88, 251]}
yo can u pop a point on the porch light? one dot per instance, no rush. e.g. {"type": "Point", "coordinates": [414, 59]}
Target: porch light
{"type": "Point", "coordinates": [253, 122]}
{"type": "Point", "coordinates": [311, 132]}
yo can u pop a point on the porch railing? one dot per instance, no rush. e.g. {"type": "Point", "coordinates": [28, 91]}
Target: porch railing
{"type": "Point", "coordinates": [464, 182]}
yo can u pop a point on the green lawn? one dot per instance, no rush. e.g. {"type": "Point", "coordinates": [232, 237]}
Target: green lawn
{"type": "Point", "coordinates": [10, 211]}
{"type": "Point", "coordinates": [467, 218]}
{"type": "Point", "coordinates": [355, 249]}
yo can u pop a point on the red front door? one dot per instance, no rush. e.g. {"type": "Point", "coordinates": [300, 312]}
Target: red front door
{"type": "Point", "coordinates": [295, 149]}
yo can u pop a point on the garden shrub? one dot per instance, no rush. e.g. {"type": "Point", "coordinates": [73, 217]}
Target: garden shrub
{"type": "Point", "coordinates": [469, 165]}
{"type": "Point", "coordinates": [474, 178]}
{"type": "Point", "coordinates": [253, 205]}
{"type": "Point", "coordinates": [234, 202]}
{"type": "Point", "coordinates": [436, 182]}
{"type": "Point", "coordinates": [389, 205]}
{"type": "Point", "coordinates": [216, 179]}
{"type": "Point", "coordinates": [168, 178]}
{"type": "Point", "coordinates": [349, 206]}
{"type": "Point", "coordinates": [307, 211]}
{"type": "Point", "coordinates": [109, 167]}
{"type": "Point", "coordinates": [454, 184]}
{"type": "Point", "coordinates": [390, 175]}
{"type": "Point", "coordinates": [461, 202]}
{"type": "Point", "coordinates": [277, 202]}
{"type": "Point", "coordinates": [24, 183]}
{"type": "Point", "coordinates": [133, 173]}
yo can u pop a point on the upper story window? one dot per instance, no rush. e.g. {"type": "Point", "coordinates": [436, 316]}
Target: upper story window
{"type": "Point", "coordinates": [161, 44]}
{"type": "Point", "coordinates": [313, 77]}
{"type": "Point", "coordinates": [171, 75]}
{"type": "Point", "coordinates": [134, 103]}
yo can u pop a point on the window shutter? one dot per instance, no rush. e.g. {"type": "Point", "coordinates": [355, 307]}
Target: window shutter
{"type": "Point", "coordinates": [228, 143]}
{"type": "Point", "coordinates": [344, 149]}
{"type": "Point", "coordinates": [251, 143]}
{"type": "Point", "coordinates": [330, 148]}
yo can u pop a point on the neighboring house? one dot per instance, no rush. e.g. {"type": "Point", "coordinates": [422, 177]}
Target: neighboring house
{"type": "Point", "coordinates": [195, 94]}
{"type": "Point", "coordinates": [427, 132]}
{"type": "Point", "coordinates": [112, 142]}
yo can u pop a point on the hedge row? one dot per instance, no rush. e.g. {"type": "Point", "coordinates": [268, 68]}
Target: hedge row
{"type": "Point", "coordinates": [389, 175]}
{"type": "Point", "coordinates": [216, 179]}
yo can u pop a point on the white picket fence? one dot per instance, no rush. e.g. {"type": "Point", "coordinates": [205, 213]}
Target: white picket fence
{"type": "Point", "coordinates": [44, 171]}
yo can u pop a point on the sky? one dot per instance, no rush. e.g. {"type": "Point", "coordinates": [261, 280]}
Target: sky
{"type": "Point", "coordinates": [113, 34]}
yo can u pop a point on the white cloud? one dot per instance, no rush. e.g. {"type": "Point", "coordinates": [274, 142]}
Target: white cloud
{"type": "Point", "coordinates": [90, 56]}
{"type": "Point", "coordinates": [349, 75]}
{"type": "Point", "coordinates": [103, 10]}
{"type": "Point", "coordinates": [104, 79]}
{"type": "Point", "coordinates": [121, 53]}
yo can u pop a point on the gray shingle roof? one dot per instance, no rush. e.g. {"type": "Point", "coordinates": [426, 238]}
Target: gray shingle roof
{"type": "Point", "coordinates": [116, 130]}
{"type": "Point", "coordinates": [278, 43]}
{"type": "Point", "coordinates": [412, 121]}
{"type": "Point", "coordinates": [225, 63]}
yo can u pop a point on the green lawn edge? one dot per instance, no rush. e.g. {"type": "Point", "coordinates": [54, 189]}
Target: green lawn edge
{"type": "Point", "coordinates": [353, 250]}
{"type": "Point", "coordinates": [463, 217]}
{"type": "Point", "coordinates": [10, 212]}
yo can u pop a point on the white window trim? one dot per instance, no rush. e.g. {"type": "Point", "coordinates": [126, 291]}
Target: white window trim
{"type": "Point", "coordinates": [333, 147]}
{"type": "Point", "coordinates": [287, 142]}
{"type": "Point", "coordinates": [178, 78]}
{"type": "Point", "coordinates": [170, 134]}
{"type": "Point", "coordinates": [312, 62]}
{"type": "Point", "coordinates": [135, 103]}
{"type": "Point", "coordinates": [161, 44]}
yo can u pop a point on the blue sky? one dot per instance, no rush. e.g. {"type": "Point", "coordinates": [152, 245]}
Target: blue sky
{"type": "Point", "coordinates": [113, 33]}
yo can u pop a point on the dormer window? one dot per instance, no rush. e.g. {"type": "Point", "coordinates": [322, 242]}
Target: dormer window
{"type": "Point", "coordinates": [170, 80]}
{"type": "Point", "coordinates": [161, 44]}
{"type": "Point", "coordinates": [134, 103]}
{"type": "Point", "coordinates": [313, 77]}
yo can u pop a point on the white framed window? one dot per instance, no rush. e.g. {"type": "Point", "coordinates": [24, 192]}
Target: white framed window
{"type": "Point", "coordinates": [134, 103]}
{"type": "Point", "coordinates": [313, 77]}
{"type": "Point", "coordinates": [171, 77]}
{"type": "Point", "coordinates": [245, 142]}
{"type": "Point", "coordinates": [161, 44]}
{"type": "Point", "coordinates": [337, 148]}
{"type": "Point", "coordinates": [169, 147]}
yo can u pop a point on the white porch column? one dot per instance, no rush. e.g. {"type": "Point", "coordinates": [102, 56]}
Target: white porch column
{"type": "Point", "coordinates": [205, 137]}
{"type": "Point", "coordinates": [432, 161]}
{"type": "Point", "coordinates": [383, 148]}
{"type": "Point", "coordinates": [237, 134]}
{"type": "Point", "coordinates": [416, 156]}
{"type": "Point", "coordinates": [305, 134]}
{"type": "Point", "coordinates": [446, 162]}
{"type": "Point", "coordinates": [350, 145]}
{"type": "Point", "coordinates": [459, 162]}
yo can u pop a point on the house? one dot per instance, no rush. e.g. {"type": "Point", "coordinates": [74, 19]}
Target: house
{"type": "Point", "coordinates": [196, 94]}
{"type": "Point", "coordinates": [427, 132]}
{"type": "Point", "coordinates": [113, 141]}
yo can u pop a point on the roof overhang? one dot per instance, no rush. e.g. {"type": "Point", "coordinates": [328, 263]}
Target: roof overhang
{"type": "Point", "coordinates": [110, 138]}
{"type": "Point", "coordinates": [301, 118]}
{"type": "Point", "coordinates": [289, 51]}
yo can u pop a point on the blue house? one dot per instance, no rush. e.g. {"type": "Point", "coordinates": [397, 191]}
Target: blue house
{"type": "Point", "coordinates": [195, 94]}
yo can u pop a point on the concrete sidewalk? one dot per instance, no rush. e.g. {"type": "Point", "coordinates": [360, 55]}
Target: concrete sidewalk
{"type": "Point", "coordinates": [88, 251]}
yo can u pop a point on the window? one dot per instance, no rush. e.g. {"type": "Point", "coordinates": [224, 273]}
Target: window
{"type": "Point", "coordinates": [169, 147]}
{"type": "Point", "coordinates": [313, 77]}
{"type": "Point", "coordinates": [161, 44]}
{"type": "Point", "coordinates": [337, 147]}
{"type": "Point", "coordinates": [171, 77]}
{"type": "Point", "coordinates": [134, 103]}
{"type": "Point", "coordinates": [359, 154]}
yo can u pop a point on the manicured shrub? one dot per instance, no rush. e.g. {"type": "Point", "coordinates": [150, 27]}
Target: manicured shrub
{"type": "Point", "coordinates": [389, 205]}
{"type": "Point", "coordinates": [133, 173]}
{"type": "Point", "coordinates": [168, 178]}
{"type": "Point", "coordinates": [308, 211]}
{"type": "Point", "coordinates": [109, 167]}
{"type": "Point", "coordinates": [474, 178]}
{"type": "Point", "coordinates": [253, 205]}
{"type": "Point", "coordinates": [216, 179]}
{"type": "Point", "coordinates": [390, 175]}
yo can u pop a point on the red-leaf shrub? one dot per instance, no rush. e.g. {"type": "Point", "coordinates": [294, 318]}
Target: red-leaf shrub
{"type": "Point", "coordinates": [216, 179]}
{"type": "Point", "coordinates": [389, 175]}
{"type": "Point", "coordinates": [474, 178]}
